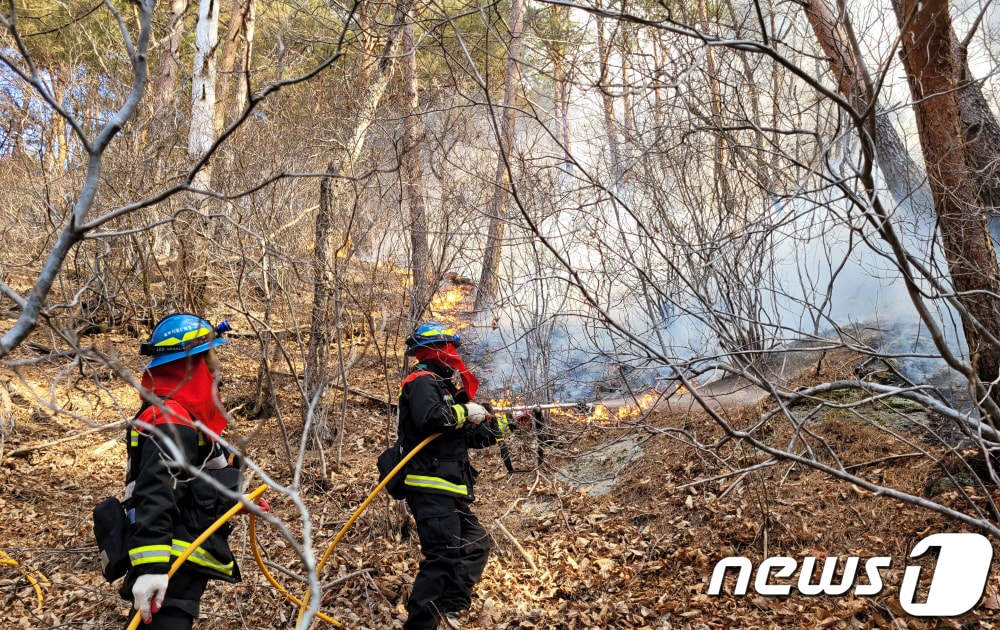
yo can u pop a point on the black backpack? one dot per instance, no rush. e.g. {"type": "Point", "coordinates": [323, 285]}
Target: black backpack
{"type": "Point", "coordinates": [387, 460]}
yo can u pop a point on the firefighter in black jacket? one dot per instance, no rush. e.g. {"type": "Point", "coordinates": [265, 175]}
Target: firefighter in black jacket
{"type": "Point", "coordinates": [170, 504]}
{"type": "Point", "coordinates": [436, 397]}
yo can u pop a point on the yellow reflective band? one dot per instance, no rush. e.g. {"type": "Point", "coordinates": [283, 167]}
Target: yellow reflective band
{"type": "Point", "coordinates": [435, 332]}
{"type": "Point", "coordinates": [435, 483]}
{"type": "Point", "coordinates": [459, 415]}
{"type": "Point", "coordinates": [202, 558]}
{"type": "Point", "coordinates": [188, 336]}
{"type": "Point", "coordinates": [133, 438]}
{"type": "Point", "coordinates": [149, 554]}
{"type": "Point", "coordinates": [504, 425]}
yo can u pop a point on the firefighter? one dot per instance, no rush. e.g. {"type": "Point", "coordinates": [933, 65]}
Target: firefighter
{"type": "Point", "coordinates": [437, 397]}
{"type": "Point", "coordinates": [167, 497]}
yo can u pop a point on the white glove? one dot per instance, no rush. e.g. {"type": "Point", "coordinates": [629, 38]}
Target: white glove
{"type": "Point", "coordinates": [148, 593]}
{"type": "Point", "coordinates": [474, 413]}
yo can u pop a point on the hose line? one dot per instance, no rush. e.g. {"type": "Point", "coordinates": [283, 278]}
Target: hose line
{"type": "Point", "coordinates": [270, 578]}
{"type": "Point", "coordinates": [357, 513]}
{"type": "Point", "coordinates": [27, 573]}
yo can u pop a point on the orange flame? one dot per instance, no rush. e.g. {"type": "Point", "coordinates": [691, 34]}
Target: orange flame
{"type": "Point", "coordinates": [601, 414]}
{"type": "Point", "coordinates": [449, 301]}
{"type": "Point", "coordinates": [682, 389]}
{"type": "Point", "coordinates": [499, 403]}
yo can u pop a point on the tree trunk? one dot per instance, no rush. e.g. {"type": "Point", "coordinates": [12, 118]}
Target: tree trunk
{"type": "Point", "coordinates": [52, 134]}
{"type": "Point", "coordinates": [412, 166]}
{"type": "Point", "coordinates": [163, 126]}
{"type": "Point", "coordinates": [607, 103]}
{"type": "Point", "coordinates": [202, 133]}
{"type": "Point", "coordinates": [982, 132]}
{"type": "Point", "coordinates": [720, 167]}
{"type": "Point", "coordinates": [165, 86]}
{"type": "Point", "coordinates": [932, 70]}
{"type": "Point", "coordinates": [627, 44]}
{"type": "Point", "coordinates": [193, 240]}
{"type": "Point", "coordinates": [331, 241]}
{"type": "Point", "coordinates": [240, 24]}
{"type": "Point", "coordinates": [489, 280]}
{"type": "Point", "coordinates": [903, 177]}
{"type": "Point", "coordinates": [243, 76]}
{"type": "Point", "coordinates": [562, 77]}
{"type": "Point", "coordinates": [368, 38]}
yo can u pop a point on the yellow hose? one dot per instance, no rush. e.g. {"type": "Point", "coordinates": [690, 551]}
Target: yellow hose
{"type": "Point", "coordinates": [5, 559]}
{"type": "Point", "coordinates": [274, 582]}
{"type": "Point", "coordinates": [200, 539]}
{"type": "Point", "coordinates": [357, 513]}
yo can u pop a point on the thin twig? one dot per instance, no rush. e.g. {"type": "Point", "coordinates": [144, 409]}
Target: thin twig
{"type": "Point", "coordinates": [723, 494]}
{"type": "Point", "coordinates": [347, 577]}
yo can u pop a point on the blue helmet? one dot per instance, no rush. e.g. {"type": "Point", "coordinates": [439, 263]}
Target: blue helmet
{"type": "Point", "coordinates": [431, 332]}
{"type": "Point", "coordinates": [179, 336]}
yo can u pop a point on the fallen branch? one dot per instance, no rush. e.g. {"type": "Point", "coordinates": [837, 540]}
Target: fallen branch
{"type": "Point", "coordinates": [34, 447]}
{"type": "Point", "coordinates": [367, 396]}
{"type": "Point", "coordinates": [883, 460]}
{"type": "Point", "coordinates": [345, 578]}
{"type": "Point", "coordinates": [510, 537]}
{"type": "Point", "coordinates": [742, 471]}
{"type": "Point", "coordinates": [276, 333]}
{"type": "Point", "coordinates": [350, 390]}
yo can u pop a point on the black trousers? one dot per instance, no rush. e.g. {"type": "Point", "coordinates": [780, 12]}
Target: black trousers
{"type": "Point", "coordinates": [455, 549]}
{"type": "Point", "coordinates": [180, 606]}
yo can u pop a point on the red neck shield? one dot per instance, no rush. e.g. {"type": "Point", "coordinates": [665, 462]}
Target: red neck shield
{"type": "Point", "coordinates": [190, 384]}
{"type": "Point", "coordinates": [447, 355]}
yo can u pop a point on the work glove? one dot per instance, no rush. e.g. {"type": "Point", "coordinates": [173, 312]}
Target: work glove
{"type": "Point", "coordinates": [475, 413]}
{"type": "Point", "coordinates": [262, 505]}
{"type": "Point", "coordinates": [148, 593]}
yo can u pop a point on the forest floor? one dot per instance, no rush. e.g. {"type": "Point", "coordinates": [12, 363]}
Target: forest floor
{"type": "Point", "coordinates": [565, 554]}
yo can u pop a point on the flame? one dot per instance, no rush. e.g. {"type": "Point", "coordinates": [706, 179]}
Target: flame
{"type": "Point", "coordinates": [602, 414]}
{"type": "Point", "coordinates": [345, 250]}
{"type": "Point", "coordinates": [646, 401]}
{"type": "Point", "coordinates": [682, 389]}
{"type": "Point", "coordinates": [450, 300]}
{"type": "Point", "coordinates": [501, 403]}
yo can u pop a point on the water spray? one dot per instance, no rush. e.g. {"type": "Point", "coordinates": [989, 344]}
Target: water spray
{"type": "Point", "coordinates": [581, 406]}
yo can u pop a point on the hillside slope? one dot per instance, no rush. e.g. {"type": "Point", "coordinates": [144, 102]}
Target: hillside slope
{"type": "Point", "coordinates": [565, 556]}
